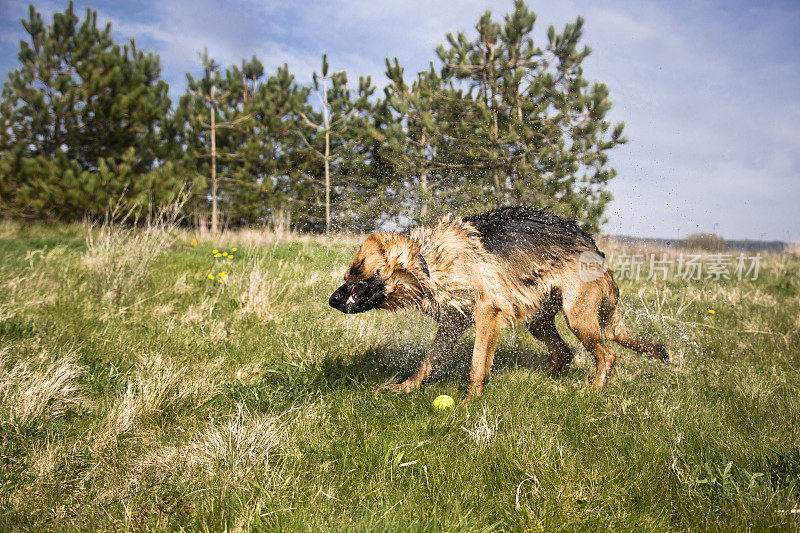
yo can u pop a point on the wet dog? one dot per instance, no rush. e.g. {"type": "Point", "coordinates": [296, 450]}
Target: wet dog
{"type": "Point", "coordinates": [510, 265]}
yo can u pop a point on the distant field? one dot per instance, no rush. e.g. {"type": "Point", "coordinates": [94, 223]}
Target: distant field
{"type": "Point", "coordinates": [138, 393]}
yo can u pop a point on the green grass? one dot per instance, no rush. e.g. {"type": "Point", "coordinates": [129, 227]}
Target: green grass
{"type": "Point", "coordinates": [185, 403]}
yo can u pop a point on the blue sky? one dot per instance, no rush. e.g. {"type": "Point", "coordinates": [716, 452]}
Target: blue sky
{"type": "Point", "coordinates": [708, 90]}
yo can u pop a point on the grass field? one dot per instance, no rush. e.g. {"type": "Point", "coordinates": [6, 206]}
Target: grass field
{"type": "Point", "coordinates": [138, 393]}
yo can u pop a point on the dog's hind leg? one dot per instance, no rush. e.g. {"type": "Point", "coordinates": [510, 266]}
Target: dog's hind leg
{"type": "Point", "coordinates": [440, 350]}
{"type": "Point", "coordinates": [543, 328]}
{"type": "Point", "coordinates": [582, 309]}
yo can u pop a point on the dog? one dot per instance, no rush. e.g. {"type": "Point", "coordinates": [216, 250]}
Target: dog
{"type": "Point", "coordinates": [507, 266]}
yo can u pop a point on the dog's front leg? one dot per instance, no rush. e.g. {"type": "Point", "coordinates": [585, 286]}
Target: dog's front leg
{"type": "Point", "coordinates": [487, 334]}
{"type": "Point", "coordinates": [441, 348]}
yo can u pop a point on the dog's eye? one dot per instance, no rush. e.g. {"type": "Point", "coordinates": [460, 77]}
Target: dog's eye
{"type": "Point", "coordinates": [378, 272]}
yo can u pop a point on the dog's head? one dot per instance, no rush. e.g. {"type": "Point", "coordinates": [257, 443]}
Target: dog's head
{"type": "Point", "coordinates": [383, 275]}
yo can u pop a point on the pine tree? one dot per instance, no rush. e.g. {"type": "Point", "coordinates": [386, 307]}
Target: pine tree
{"type": "Point", "coordinates": [262, 179]}
{"type": "Point", "coordinates": [333, 113]}
{"type": "Point", "coordinates": [420, 140]}
{"type": "Point", "coordinates": [81, 121]}
{"type": "Point", "coordinates": [538, 132]}
{"type": "Point", "coordinates": [249, 170]}
{"type": "Point", "coordinates": [209, 108]}
{"type": "Point", "coordinates": [369, 191]}
{"type": "Point", "coordinates": [331, 134]}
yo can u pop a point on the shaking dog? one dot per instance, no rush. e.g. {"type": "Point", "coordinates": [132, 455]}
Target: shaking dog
{"type": "Point", "coordinates": [511, 265]}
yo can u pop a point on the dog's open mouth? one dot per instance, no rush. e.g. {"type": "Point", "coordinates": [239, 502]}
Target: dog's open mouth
{"type": "Point", "coordinates": [356, 291]}
{"type": "Point", "coordinates": [358, 296]}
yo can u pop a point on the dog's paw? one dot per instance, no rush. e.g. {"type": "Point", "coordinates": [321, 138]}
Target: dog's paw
{"type": "Point", "coordinates": [397, 388]}
{"type": "Point", "coordinates": [660, 353]}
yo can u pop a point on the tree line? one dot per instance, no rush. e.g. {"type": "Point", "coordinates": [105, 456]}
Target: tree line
{"type": "Point", "coordinates": [496, 119]}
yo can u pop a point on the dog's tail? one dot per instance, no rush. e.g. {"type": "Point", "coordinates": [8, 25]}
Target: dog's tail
{"type": "Point", "coordinates": [617, 331]}
{"type": "Point", "coordinates": [614, 327]}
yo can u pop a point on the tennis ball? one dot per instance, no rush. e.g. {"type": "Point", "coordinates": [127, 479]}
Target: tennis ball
{"type": "Point", "coordinates": [443, 402]}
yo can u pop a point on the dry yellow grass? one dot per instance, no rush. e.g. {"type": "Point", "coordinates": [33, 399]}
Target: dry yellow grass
{"type": "Point", "coordinates": [38, 390]}
{"type": "Point", "coordinates": [158, 384]}
{"type": "Point", "coordinates": [230, 451]}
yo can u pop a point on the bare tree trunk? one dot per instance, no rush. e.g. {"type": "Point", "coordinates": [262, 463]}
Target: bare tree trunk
{"type": "Point", "coordinates": [327, 124]}
{"type": "Point", "coordinates": [327, 181]}
{"type": "Point", "coordinates": [491, 104]}
{"type": "Point", "coordinates": [495, 133]}
{"type": "Point", "coordinates": [497, 187]}
{"type": "Point", "coordinates": [214, 214]}
{"type": "Point", "coordinates": [423, 181]}
{"type": "Point", "coordinates": [423, 178]}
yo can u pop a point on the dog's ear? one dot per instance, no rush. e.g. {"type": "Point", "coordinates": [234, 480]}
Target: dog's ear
{"type": "Point", "coordinates": [407, 264]}
{"type": "Point", "coordinates": [414, 271]}
{"type": "Point", "coordinates": [403, 275]}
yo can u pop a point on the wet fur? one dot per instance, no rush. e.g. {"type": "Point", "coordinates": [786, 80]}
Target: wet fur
{"type": "Point", "coordinates": [511, 265]}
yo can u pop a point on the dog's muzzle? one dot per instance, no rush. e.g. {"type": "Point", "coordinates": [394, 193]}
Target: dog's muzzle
{"type": "Point", "coordinates": [358, 296]}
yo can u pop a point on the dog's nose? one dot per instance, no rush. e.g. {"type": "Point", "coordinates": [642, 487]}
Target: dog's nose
{"type": "Point", "coordinates": [338, 298]}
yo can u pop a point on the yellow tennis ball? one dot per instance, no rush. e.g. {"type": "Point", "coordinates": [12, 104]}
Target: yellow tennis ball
{"type": "Point", "coordinates": [443, 402]}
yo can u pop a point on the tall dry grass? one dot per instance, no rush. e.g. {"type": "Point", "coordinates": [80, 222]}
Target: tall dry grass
{"type": "Point", "coordinates": [271, 234]}
{"type": "Point", "coordinates": [245, 446]}
{"type": "Point", "coordinates": [260, 285]}
{"type": "Point", "coordinates": [34, 392]}
{"type": "Point", "coordinates": [158, 385]}
{"type": "Point", "coordinates": [8, 228]}
{"type": "Point", "coordinates": [120, 252]}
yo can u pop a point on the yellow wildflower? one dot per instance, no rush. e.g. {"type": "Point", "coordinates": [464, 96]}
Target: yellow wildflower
{"type": "Point", "coordinates": [224, 254]}
{"type": "Point", "coordinates": [234, 249]}
{"type": "Point", "coordinates": [211, 276]}
{"type": "Point", "coordinates": [712, 312]}
{"type": "Point", "coordinates": [230, 257]}
{"type": "Point", "coordinates": [214, 251]}
{"type": "Point", "coordinates": [194, 242]}
{"type": "Point", "coordinates": [222, 275]}
{"type": "Point", "coordinates": [218, 254]}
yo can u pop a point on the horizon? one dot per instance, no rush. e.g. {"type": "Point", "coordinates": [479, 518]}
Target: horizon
{"type": "Point", "coordinates": [708, 93]}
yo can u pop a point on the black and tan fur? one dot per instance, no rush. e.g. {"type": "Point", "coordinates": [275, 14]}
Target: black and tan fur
{"type": "Point", "coordinates": [510, 265]}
